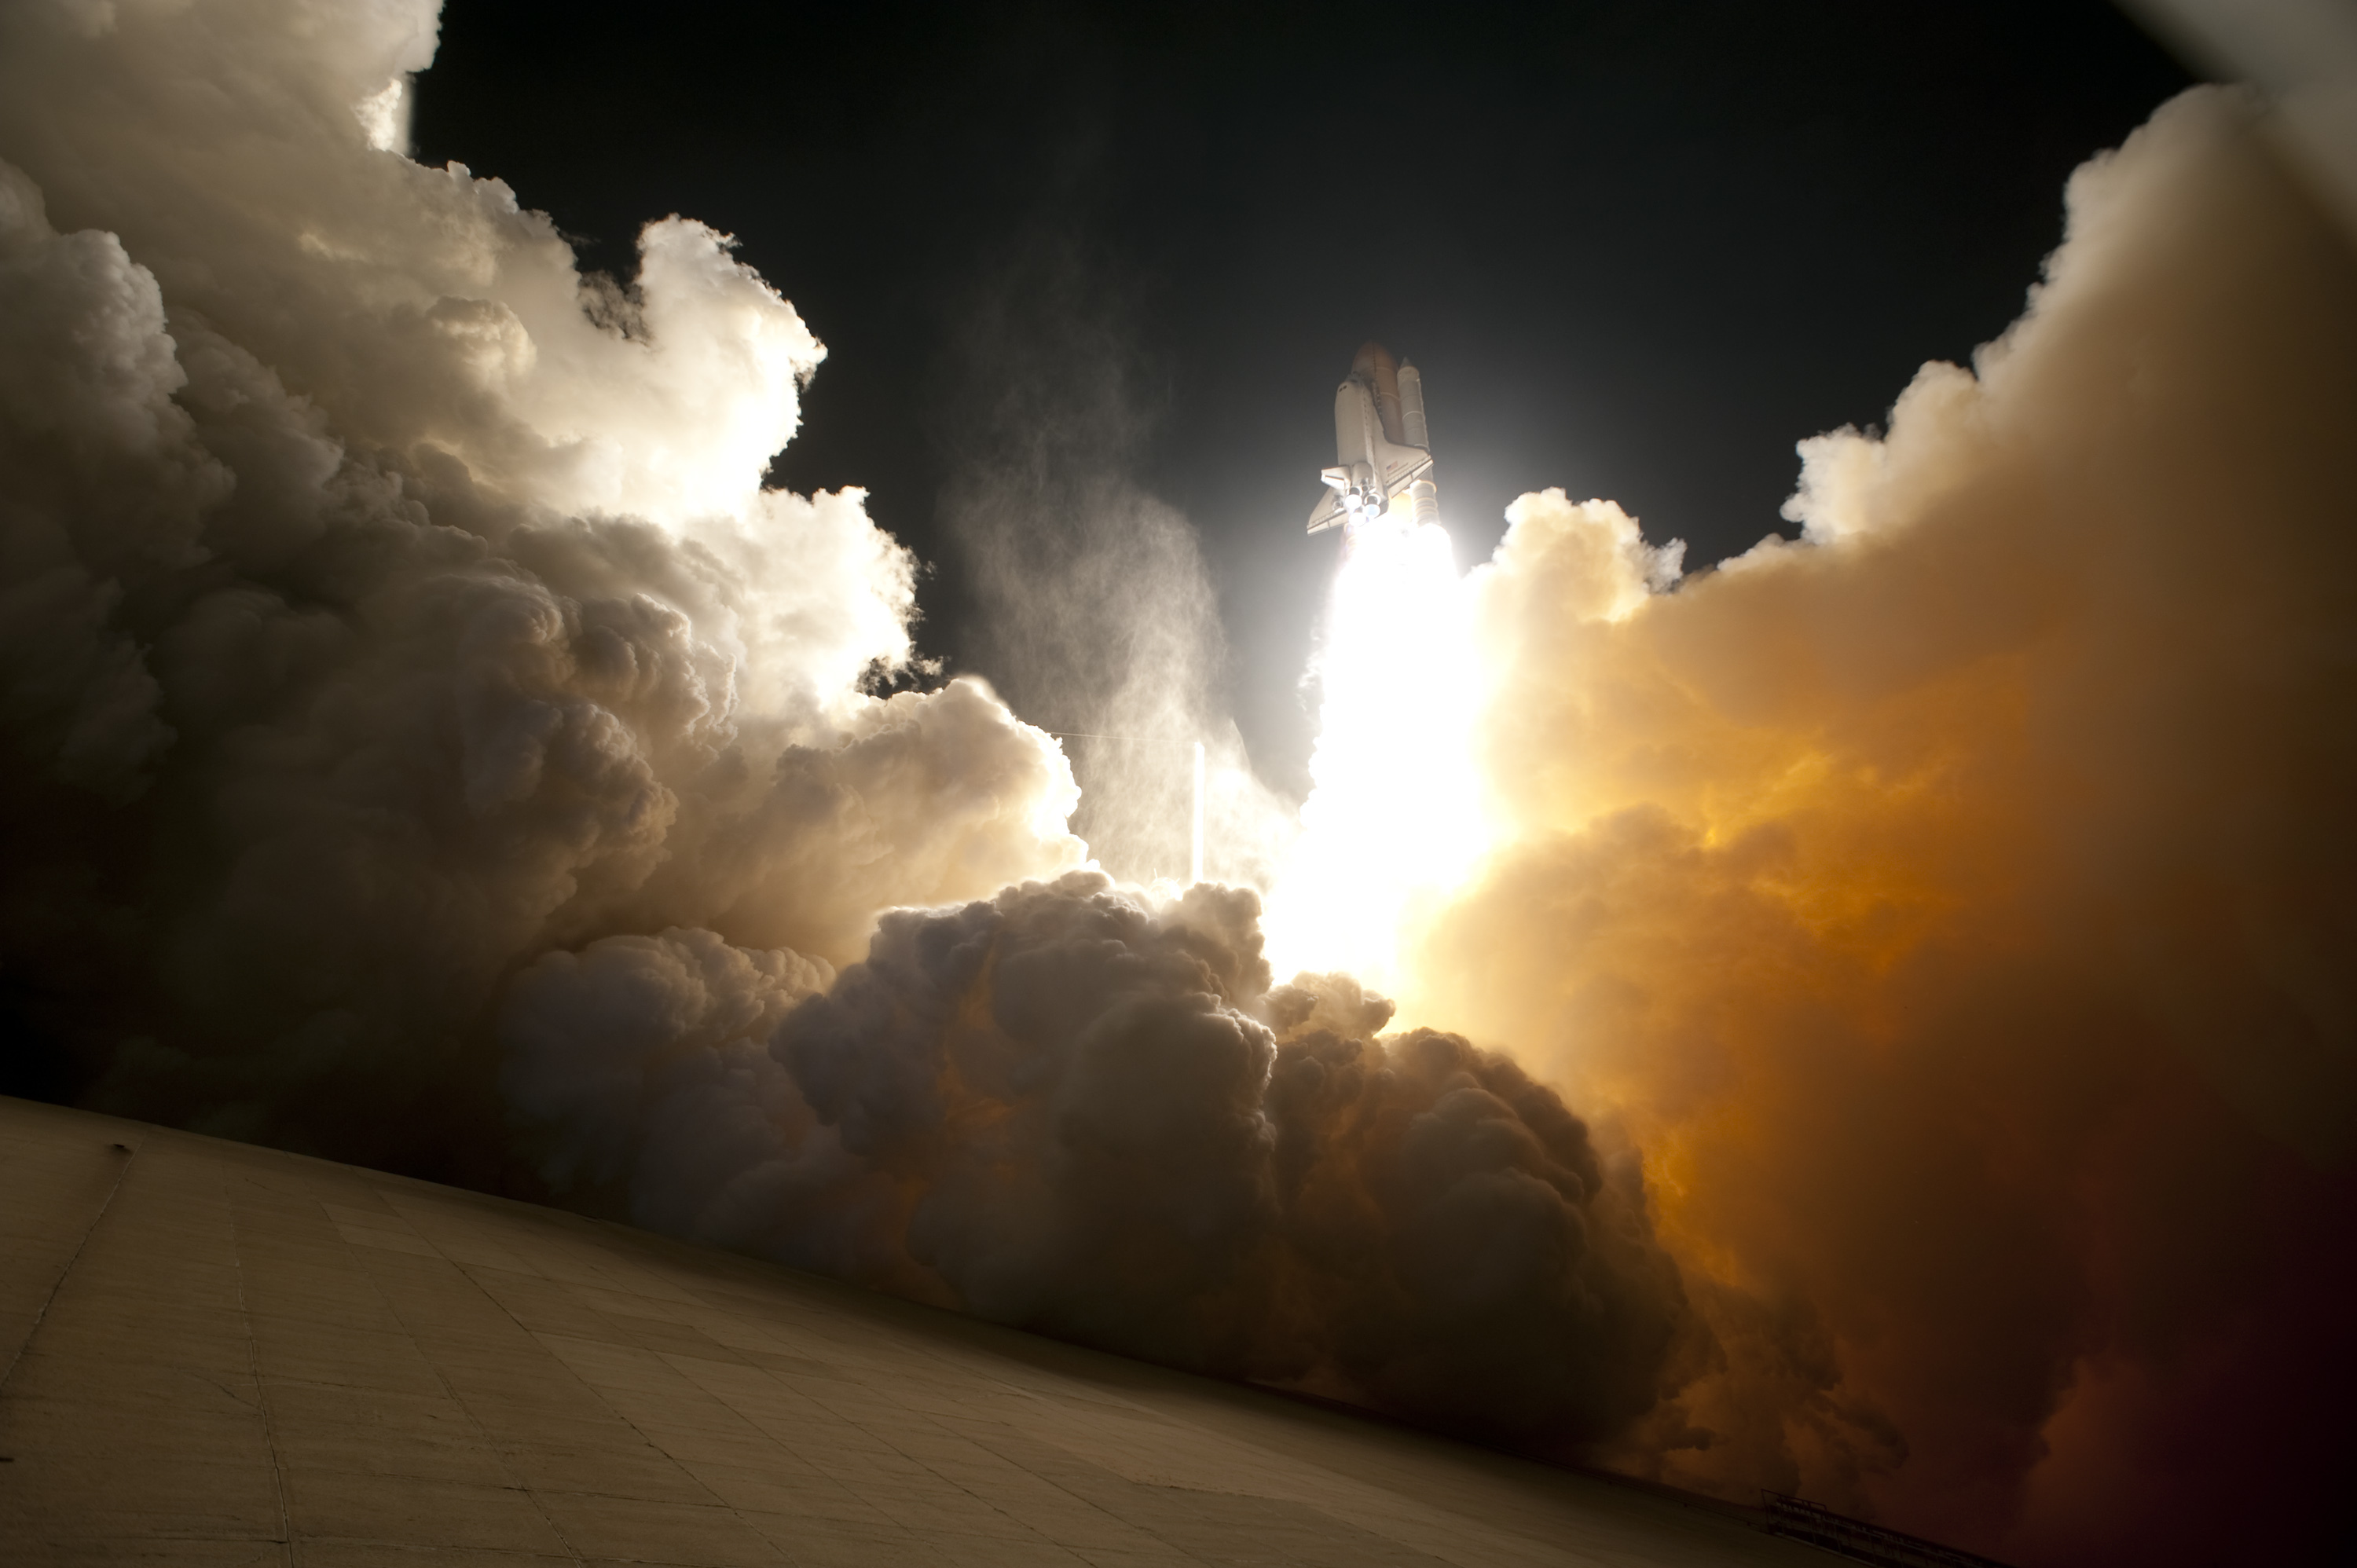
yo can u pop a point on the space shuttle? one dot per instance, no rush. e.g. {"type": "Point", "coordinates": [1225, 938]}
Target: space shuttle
{"type": "Point", "coordinates": [1381, 449]}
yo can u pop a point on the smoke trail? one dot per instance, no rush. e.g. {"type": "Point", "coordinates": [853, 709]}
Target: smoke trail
{"type": "Point", "coordinates": [1954, 904]}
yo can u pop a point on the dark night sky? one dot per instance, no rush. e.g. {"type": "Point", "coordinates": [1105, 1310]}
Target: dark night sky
{"type": "Point", "coordinates": [1638, 248]}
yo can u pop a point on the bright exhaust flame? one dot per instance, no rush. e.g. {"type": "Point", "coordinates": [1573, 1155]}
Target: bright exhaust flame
{"type": "Point", "coordinates": [1394, 820]}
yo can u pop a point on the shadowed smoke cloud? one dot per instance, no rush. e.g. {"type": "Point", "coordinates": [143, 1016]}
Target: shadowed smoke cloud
{"type": "Point", "coordinates": [1068, 1109]}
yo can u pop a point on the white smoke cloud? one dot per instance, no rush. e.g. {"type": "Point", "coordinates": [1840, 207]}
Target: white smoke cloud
{"type": "Point", "coordinates": [423, 309]}
{"type": "Point", "coordinates": [389, 605]}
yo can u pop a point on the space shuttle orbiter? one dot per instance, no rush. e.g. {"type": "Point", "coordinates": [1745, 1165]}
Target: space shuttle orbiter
{"type": "Point", "coordinates": [1381, 449]}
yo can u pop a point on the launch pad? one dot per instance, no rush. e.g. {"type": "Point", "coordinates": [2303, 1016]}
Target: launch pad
{"type": "Point", "coordinates": [218, 1354]}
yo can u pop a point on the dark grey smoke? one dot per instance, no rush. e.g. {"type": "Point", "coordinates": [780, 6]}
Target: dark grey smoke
{"type": "Point", "coordinates": [1116, 1130]}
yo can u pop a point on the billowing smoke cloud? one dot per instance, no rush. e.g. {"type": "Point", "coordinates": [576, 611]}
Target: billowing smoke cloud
{"type": "Point", "coordinates": [429, 745]}
{"type": "Point", "coordinates": [1069, 1109]}
{"type": "Point", "coordinates": [434, 749]}
{"type": "Point", "coordinates": [1954, 904]}
{"type": "Point", "coordinates": [385, 605]}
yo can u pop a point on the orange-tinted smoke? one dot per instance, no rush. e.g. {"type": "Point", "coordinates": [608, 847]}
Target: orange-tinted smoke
{"type": "Point", "coordinates": [1959, 906]}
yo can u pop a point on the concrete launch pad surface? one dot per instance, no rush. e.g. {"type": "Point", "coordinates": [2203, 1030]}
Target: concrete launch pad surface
{"type": "Point", "coordinates": [219, 1354]}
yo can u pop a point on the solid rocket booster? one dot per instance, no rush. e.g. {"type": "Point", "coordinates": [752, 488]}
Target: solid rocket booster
{"type": "Point", "coordinates": [1382, 449]}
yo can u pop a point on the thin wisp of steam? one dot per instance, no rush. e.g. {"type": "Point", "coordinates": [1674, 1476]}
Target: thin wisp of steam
{"type": "Point", "coordinates": [1096, 612]}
